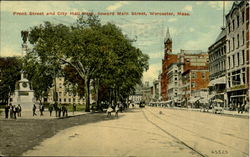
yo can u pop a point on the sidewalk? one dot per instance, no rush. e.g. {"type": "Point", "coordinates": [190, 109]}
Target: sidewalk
{"type": "Point", "coordinates": [29, 115]}
{"type": "Point", "coordinates": [225, 112]}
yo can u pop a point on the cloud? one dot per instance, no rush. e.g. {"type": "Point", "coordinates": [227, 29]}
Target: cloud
{"type": "Point", "coordinates": [188, 8]}
{"type": "Point", "coordinates": [218, 5]}
{"type": "Point", "coordinates": [116, 6]}
{"type": "Point", "coordinates": [172, 20]}
{"type": "Point", "coordinates": [8, 51]}
{"type": "Point", "coordinates": [201, 43]}
{"type": "Point", "coordinates": [152, 72]}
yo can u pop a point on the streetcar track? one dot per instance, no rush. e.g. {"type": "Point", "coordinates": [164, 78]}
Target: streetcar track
{"type": "Point", "coordinates": [225, 134]}
{"type": "Point", "coordinates": [195, 133]}
{"type": "Point", "coordinates": [174, 137]}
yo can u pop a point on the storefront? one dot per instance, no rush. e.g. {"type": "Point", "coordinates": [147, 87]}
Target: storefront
{"type": "Point", "coordinates": [237, 97]}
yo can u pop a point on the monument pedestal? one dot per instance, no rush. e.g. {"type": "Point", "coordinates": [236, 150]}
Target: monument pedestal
{"type": "Point", "coordinates": [23, 94]}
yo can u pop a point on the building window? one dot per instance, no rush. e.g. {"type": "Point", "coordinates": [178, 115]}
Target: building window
{"type": "Point", "coordinates": [203, 75]}
{"type": "Point", "coordinates": [238, 59]}
{"type": "Point", "coordinates": [229, 27]}
{"type": "Point", "coordinates": [60, 93]}
{"type": "Point", "coordinates": [193, 75]}
{"type": "Point", "coordinates": [60, 100]}
{"type": "Point", "coordinates": [238, 40]}
{"type": "Point", "coordinates": [69, 99]}
{"type": "Point", "coordinates": [243, 57]}
{"type": "Point", "coordinates": [233, 44]}
{"type": "Point", "coordinates": [193, 84]}
{"type": "Point", "coordinates": [228, 62]}
{"type": "Point", "coordinates": [238, 21]}
{"type": "Point", "coordinates": [233, 25]}
{"type": "Point", "coordinates": [243, 37]}
{"type": "Point", "coordinates": [233, 61]}
{"type": "Point", "coordinates": [60, 85]}
{"type": "Point", "coordinates": [64, 100]}
{"type": "Point", "coordinates": [229, 45]}
{"type": "Point", "coordinates": [243, 16]}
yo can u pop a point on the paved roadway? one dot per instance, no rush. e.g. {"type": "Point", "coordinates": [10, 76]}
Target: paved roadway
{"type": "Point", "coordinates": [153, 132]}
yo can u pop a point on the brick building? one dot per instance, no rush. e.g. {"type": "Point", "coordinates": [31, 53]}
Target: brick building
{"type": "Point", "coordinates": [237, 61]}
{"type": "Point", "coordinates": [169, 58]}
{"type": "Point", "coordinates": [194, 74]}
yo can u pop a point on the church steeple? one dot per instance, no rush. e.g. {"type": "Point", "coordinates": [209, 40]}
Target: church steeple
{"type": "Point", "coordinates": [168, 42]}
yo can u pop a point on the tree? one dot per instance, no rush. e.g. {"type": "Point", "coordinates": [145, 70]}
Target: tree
{"type": "Point", "coordinates": [10, 68]}
{"type": "Point", "coordinates": [96, 52]}
{"type": "Point", "coordinates": [40, 75]}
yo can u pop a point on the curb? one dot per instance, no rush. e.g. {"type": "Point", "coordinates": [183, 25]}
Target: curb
{"type": "Point", "coordinates": [221, 114]}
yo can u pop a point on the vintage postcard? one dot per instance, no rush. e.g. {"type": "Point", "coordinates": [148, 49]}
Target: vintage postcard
{"type": "Point", "coordinates": [124, 78]}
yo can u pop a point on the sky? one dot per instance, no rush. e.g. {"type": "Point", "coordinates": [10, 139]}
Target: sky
{"type": "Point", "coordinates": [197, 31]}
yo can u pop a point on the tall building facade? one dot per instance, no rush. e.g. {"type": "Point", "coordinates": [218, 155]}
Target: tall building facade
{"type": "Point", "coordinates": [237, 60]}
{"type": "Point", "coordinates": [217, 68]}
{"type": "Point", "coordinates": [169, 58]}
{"type": "Point", "coordinates": [194, 74]}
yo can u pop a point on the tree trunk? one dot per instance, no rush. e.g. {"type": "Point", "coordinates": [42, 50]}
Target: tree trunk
{"type": "Point", "coordinates": [87, 82]}
{"type": "Point", "coordinates": [97, 93]}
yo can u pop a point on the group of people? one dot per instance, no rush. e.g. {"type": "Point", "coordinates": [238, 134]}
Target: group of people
{"type": "Point", "coordinates": [119, 107]}
{"type": "Point", "coordinates": [60, 110]}
{"type": "Point", "coordinates": [13, 111]}
{"type": "Point", "coordinates": [41, 109]}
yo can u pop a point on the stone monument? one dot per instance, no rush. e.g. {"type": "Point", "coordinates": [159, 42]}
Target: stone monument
{"type": "Point", "coordinates": [23, 94]}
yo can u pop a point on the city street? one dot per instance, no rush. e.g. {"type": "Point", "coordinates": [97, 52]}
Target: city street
{"type": "Point", "coordinates": [152, 131]}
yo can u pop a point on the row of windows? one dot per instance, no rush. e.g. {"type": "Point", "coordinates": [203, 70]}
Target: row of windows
{"type": "Point", "coordinates": [236, 22]}
{"type": "Point", "coordinates": [66, 93]}
{"type": "Point", "coordinates": [220, 66]}
{"type": "Point", "coordinates": [203, 75]}
{"type": "Point", "coordinates": [69, 100]}
{"type": "Point", "coordinates": [217, 54]}
{"type": "Point", "coordinates": [240, 41]}
{"type": "Point", "coordinates": [236, 59]}
{"type": "Point", "coordinates": [236, 78]}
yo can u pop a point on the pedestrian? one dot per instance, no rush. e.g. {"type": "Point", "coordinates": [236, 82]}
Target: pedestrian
{"type": "Point", "coordinates": [11, 111]}
{"type": "Point", "coordinates": [19, 110]}
{"type": "Point", "coordinates": [116, 110]}
{"type": "Point", "coordinates": [59, 111]}
{"type": "Point", "coordinates": [34, 110]}
{"type": "Point", "coordinates": [41, 108]}
{"type": "Point", "coordinates": [56, 109]}
{"type": "Point", "coordinates": [15, 109]}
{"type": "Point", "coordinates": [109, 110]}
{"type": "Point", "coordinates": [50, 109]}
{"type": "Point", "coordinates": [7, 108]}
{"type": "Point", "coordinates": [74, 108]}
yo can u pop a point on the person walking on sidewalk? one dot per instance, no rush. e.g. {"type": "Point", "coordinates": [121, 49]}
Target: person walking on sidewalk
{"type": "Point", "coordinates": [116, 110]}
{"type": "Point", "coordinates": [50, 109]}
{"type": "Point", "coordinates": [7, 108]}
{"type": "Point", "coordinates": [74, 108]}
{"type": "Point", "coordinates": [19, 113]}
{"type": "Point", "coordinates": [109, 110]}
{"type": "Point", "coordinates": [34, 110]}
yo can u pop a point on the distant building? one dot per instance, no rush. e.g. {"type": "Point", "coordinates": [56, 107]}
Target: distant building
{"type": "Point", "coordinates": [146, 93]}
{"type": "Point", "coordinates": [136, 97]}
{"type": "Point", "coordinates": [173, 88]}
{"type": "Point", "coordinates": [63, 94]}
{"type": "Point", "coordinates": [237, 61]}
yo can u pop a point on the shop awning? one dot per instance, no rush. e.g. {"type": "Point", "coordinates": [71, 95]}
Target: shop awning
{"type": "Point", "coordinates": [221, 80]}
